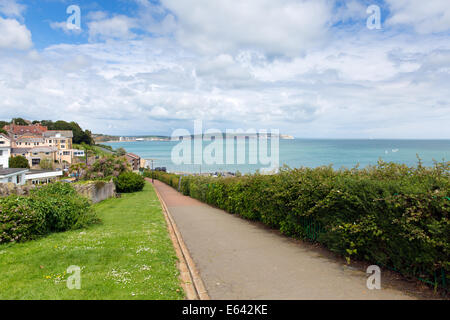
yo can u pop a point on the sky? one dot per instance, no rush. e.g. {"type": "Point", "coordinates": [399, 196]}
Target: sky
{"type": "Point", "coordinates": [309, 68]}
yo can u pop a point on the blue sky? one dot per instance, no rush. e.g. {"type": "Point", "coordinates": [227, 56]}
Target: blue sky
{"type": "Point", "coordinates": [310, 68]}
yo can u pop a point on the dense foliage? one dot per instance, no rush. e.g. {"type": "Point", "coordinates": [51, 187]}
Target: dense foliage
{"type": "Point", "coordinates": [53, 208]}
{"type": "Point", "coordinates": [18, 162]}
{"type": "Point", "coordinates": [388, 214]}
{"type": "Point", "coordinates": [102, 168]}
{"type": "Point", "coordinates": [129, 182]}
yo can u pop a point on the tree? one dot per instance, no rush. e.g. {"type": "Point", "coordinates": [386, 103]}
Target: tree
{"type": "Point", "coordinates": [19, 162]}
{"type": "Point", "coordinates": [79, 136]}
{"type": "Point", "coordinates": [3, 131]}
{"type": "Point", "coordinates": [121, 152]}
{"type": "Point", "coordinates": [46, 164]}
{"type": "Point", "coordinates": [3, 124]}
{"type": "Point", "coordinates": [19, 121]}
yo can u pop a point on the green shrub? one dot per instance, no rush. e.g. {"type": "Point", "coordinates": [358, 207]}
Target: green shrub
{"type": "Point", "coordinates": [18, 220]}
{"type": "Point", "coordinates": [129, 182]}
{"type": "Point", "coordinates": [53, 208]}
{"type": "Point", "coordinates": [63, 208]}
{"type": "Point", "coordinates": [388, 214]}
{"type": "Point", "coordinates": [18, 162]}
{"type": "Point", "coordinates": [102, 168]}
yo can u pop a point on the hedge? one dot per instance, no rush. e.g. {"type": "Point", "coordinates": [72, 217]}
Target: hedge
{"type": "Point", "coordinates": [53, 208]}
{"type": "Point", "coordinates": [129, 182]}
{"type": "Point", "coordinates": [388, 214]}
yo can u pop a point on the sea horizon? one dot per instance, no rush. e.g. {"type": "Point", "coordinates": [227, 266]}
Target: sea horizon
{"type": "Point", "coordinates": [307, 152]}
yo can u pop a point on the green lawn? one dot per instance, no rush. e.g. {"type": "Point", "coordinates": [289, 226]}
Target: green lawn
{"type": "Point", "coordinates": [128, 256]}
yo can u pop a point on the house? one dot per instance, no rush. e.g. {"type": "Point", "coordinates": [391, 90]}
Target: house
{"type": "Point", "coordinates": [37, 143]}
{"type": "Point", "coordinates": [35, 155]}
{"type": "Point", "coordinates": [12, 175]}
{"type": "Point", "coordinates": [62, 139]}
{"type": "Point", "coordinates": [134, 160]}
{"type": "Point", "coordinates": [15, 131]}
{"type": "Point", "coordinates": [27, 141]}
{"type": "Point", "coordinates": [42, 176]}
{"type": "Point", "coordinates": [5, 150]}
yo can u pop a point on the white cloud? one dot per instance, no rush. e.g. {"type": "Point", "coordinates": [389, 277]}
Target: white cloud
{"type": "Point", "coordinates": [285, 27]}
{"type": "Point", "coordinates": [363, 84]}
{"type": "Point", "coordinates": [12, 9]}
{"type": "Point", "coordinates": [117, 27]}
{"type": "Point", "coordinates": [424, 16]}
{"type": "Point", "coordinates": [14, 35]}
{"type": "Point", "coordinates": [63, 26]}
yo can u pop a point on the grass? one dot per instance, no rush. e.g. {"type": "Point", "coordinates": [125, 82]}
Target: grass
{"type": "Point", "coordinates": [129, 255]}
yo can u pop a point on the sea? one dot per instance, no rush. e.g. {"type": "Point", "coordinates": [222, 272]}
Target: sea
{"type": "Point", "coordinates": [298, 153]}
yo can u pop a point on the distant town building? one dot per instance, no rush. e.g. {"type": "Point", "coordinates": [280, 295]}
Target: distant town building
{"type": "Point", "coordinates": [15, 130]}
{"type": "Point", "coordinates": [36, 143]}
{"type": "Point", "coordinates": [42, 176]}
{"type": "Point", "coordinates": [5, 151]}
{"type": "Point", "coordinates": [134, 160]}
{"type": "Point", "coordinates": [13, 175]}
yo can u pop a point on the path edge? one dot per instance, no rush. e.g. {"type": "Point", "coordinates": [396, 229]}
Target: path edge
{"type": "Point", "coordinates": [192, 282]}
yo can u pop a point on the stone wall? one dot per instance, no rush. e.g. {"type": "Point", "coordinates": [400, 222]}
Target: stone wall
{"type": "Point", "coordinates": [7, 189]}
{"type": "Point", "coordinates": [96, 190]}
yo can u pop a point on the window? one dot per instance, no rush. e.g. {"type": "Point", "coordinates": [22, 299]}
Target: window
{"type": "Point", "coordinates": [2, 142]}
{"type": "Point", "coordinates": [35, 162]}
{"type": "Point", "coordinates": [66, 153]}
{"type": "Point", "coordinates": [63, 146]}
{"type": "Point", "coordinates": [1, 153]}
{"type": "Point", "coordinates": [63, 141]}
{"type": "Point", "coordinates": [9, 179]}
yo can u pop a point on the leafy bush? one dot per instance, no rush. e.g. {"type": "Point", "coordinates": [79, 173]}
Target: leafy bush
{"type": "Point", "coordinates": [101, 169]}
{"type": "Point", "coordinates": [168, 178]}
{"type": "Point", "coordinates": [18, 220]}
{"type": "Point", "coordinates": [387, 214]}
{"type": "Point", "coordinates": [53, 208]}
{"type": "Point", "coordinates": [19, 162]}
{"type": "Point", "coordinates": [129, 182]}
{"type": "Point", "coordinates": [63, 208]}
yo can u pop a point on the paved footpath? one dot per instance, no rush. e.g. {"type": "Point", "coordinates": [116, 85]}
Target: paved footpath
{"type": "Point", "coordinates": [238, 259]}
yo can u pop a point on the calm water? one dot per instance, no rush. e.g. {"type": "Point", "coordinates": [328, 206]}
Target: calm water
{"type": "Point", "coordinates": [310, 153]}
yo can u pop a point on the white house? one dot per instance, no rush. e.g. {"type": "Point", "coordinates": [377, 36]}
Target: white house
{"type": "Point", "coordinates": [13, 175]}
{"type": "Point", "coordinates": [5, 150]}
{"type": "Point", "coordinates": [43, 176]}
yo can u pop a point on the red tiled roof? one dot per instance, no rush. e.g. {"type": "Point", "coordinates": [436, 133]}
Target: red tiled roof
{"type": "Point", "coordinates": [132, 155]}
{"type": "Point", "coordinates": [15, 129]}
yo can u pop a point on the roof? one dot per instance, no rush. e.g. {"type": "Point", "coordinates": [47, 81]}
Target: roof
{"type": "Point", "coordinates": [5, 136]}
{"type": "Point", "coordinates": [15, 129]}
{"type": "Point", "coordinates": [132, 155]}
{"type": "Point", "coordinates": [34, 171]}
{"type": "Point", "coordinates": [30, 139]}
{"type": "Point", "coordinates": [37, 174]}
{"type": "Point", "coordinates": [12, 171]}
{"type": "Point", "coordinates": [20, 150]}
{"type": "Point", "coordinates": [43, 149]}
{"type": "Point", "coordinates": [54, 133]}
